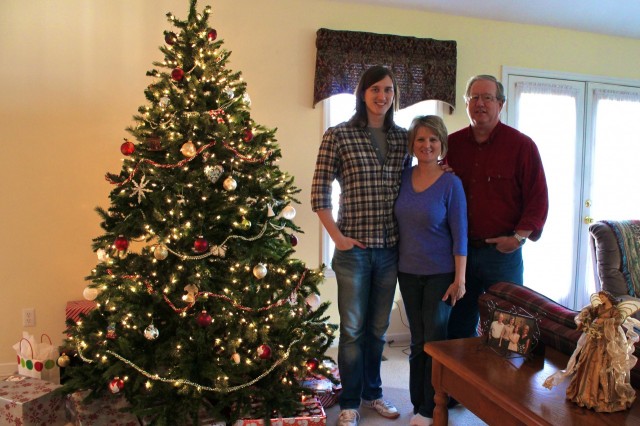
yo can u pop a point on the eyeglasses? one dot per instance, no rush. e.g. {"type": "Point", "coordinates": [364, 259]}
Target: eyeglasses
{"type": "Point", "coordinates": [486, 98]}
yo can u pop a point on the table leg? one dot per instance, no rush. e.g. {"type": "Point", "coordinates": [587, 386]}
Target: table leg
{"type": "Point", "coordinates": [440, 412]}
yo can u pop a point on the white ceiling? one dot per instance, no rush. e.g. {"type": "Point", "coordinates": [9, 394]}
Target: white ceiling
{"type": "Point", "coordinates": [611, 17]}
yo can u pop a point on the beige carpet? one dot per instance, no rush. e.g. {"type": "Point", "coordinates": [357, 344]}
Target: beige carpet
{"type": "Point", "coordinates": [395, 384]}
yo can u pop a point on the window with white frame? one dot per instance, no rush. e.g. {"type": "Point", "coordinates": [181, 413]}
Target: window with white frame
{"type": "Point", "coordinates": [339, 108]}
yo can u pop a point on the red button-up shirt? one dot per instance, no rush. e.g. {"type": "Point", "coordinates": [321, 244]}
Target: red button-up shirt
{"type": "Point", "coordinates": [503, 179]}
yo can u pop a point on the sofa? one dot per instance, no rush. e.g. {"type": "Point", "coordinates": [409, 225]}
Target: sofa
{"type": "Point", "coordinates": [615, 249]}
{"type": "Point", "coordinates": [557, 325]}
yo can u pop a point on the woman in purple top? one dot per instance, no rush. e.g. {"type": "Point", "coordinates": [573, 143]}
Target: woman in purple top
{"type": "Point", "coordinates": [432, 217]}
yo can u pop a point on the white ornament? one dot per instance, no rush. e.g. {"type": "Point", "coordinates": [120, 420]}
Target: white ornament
{"type": "Point", "coordinates": [260, 271]}
{"type": "Point", "coordinates": [188, 149]}
{"type": "Point", "coordinates": [313, 300]}
{"type": "Point", "coordinates": [151, 332]}
{"type": "Point", "coordinates": [229, 184]}
{"type": "Point", "coordinates": [213, 173]}
{"type": "Point", "coordinates": [90, 293]}
{"type": "Point", "coordinates": [103, 256]}
{"type": "Point", "coordinates": [229, 92]}
{"type": "Point", "coordinates": [247, 99]}
{"type": "Point", "coordinates": [219, 251]}
{"type": "Point", "coordinates": [164, 101]}
{"type": "Point", "coordinates": [191, 290]}
{"type": "Point", "coordinates": [160, 252]}
{"type": "Point", "coordinates": [289, 212]}
{"type": "Point", "coordinates": [139, 189]}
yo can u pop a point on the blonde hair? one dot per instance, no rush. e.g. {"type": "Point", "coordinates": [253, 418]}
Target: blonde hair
{"type": "Point", "coordinates": [435, 124]}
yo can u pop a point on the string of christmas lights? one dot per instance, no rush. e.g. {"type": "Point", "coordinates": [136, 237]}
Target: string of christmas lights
{"type": "Point", "coordinates": [226, 389]}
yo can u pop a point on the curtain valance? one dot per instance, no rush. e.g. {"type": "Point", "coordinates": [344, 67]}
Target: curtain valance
{"type": "Point", "coordinates": [425, 68]}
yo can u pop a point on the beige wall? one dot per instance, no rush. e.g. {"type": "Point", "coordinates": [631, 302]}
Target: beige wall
{"type": "Point", "coordinates": [73, 74]}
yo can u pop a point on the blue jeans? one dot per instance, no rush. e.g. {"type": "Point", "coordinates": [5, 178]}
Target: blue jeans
{"type": "Point", "coordinates": [485, 267]}
{"type": "Point", "coordinates": [428, 317]}
{"type": "Point", "coordinates": [366, 286]}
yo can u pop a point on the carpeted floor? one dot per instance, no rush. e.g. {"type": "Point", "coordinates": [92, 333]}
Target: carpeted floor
{"type": "Point", "coordinates": [395, 383]}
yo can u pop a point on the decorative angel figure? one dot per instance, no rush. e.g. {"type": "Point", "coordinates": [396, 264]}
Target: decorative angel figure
{"type": "Point", "coordinates": [601, 364]}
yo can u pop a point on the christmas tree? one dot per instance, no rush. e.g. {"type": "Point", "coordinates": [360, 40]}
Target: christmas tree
{"type": "Point", "coordinates": [201, 308]}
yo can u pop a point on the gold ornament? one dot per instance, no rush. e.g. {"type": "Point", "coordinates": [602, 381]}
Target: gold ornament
{"type": "Point", "coordinates": [188, 149]}
{"type": "Point", "coordinates": [230, 184]}
{"type": "Point", "coordinates": [64, 360]}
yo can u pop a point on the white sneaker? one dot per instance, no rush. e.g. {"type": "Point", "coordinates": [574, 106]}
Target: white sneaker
{"type": "Point", "coordinates": [384, 408]}
{"type": "Point", "coordinates": [420, 420]}
{"type": "Point", "coordinates": [348, 418]}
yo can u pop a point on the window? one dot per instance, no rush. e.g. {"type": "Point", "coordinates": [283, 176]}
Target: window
{"type": "Point", "coordinates": [584, 128]}
{"type": "Point", "coordinates": [339, 108]}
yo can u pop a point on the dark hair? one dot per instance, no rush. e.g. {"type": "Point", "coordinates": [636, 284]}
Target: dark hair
{"type": "Point", "coordinates": [436, 125]}
{"type": "Point", "coordinates": [499, 87]}
{"type": "Point", "coordinates": [370, 77]}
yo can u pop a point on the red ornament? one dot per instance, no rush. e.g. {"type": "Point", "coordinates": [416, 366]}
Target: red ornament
{"type": "Point", "coordinates": [127, 148]}
{"type": "Point", "coordinates": [293, 240]}
{"type": "Point", "coordinates": [200, 245]}
{"type": "Point", "coordinates": [264, 351]}
{"type": "Point", "coordinates": [116, 385]}
{"type": "Point", "coordinates": [204, 319]}
{"type": "Point", "coordinates": [170, 38]}
{"type": "Point", "coordinates": [177, 74]}
{"type": "Point", "coordinates": [212, 34]}
{"type": "Point", "coordinates": [121, 243]}
{"type": "Point", "coordinates": [248, 135]}
{"type": "Point", "coordinates": [312, 364]}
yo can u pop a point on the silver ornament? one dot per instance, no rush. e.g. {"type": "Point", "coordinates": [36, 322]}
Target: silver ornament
{"type": "Point", "coordinates": [213, 173]}
{"type": "Point", "coordinates": [260, 271]}
{"type": "Point", "coordinates": [160, 252]}
{"type": "Point", "coordinates": [230, 184]}
{"type": "Point", "coordinates": [151, 332]}
{"type": "Point", "coordinates": [289, 212]}
{"type": "Point", "coordinates": [164, 101]}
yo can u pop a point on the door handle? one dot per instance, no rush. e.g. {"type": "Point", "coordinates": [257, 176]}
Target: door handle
{"type": "Point", "coordinates": [588, 220]}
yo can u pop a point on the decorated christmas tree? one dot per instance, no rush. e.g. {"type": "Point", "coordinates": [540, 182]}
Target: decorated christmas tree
{"type": "Point", "coordinates": [202, 310]}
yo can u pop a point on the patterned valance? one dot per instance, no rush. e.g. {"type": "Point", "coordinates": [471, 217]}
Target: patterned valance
{"type": "Point", "coordinates": [425, 68]}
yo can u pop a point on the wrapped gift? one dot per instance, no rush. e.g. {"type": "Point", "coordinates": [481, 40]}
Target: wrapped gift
{"type": "Point", "coordinates": [310, 414]}
{"type": "Point", "coordinates": [77, 307]}
{"type": "Point", "coordinates": [324, 389]}
{"type": "Point", "coordinates": [102, 411]}
{"type": "Point", "coordinates": [26, 401]}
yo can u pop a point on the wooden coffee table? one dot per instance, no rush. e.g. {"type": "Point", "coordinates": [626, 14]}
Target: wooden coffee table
{"type": "Point", "coordinates": [504, 391]}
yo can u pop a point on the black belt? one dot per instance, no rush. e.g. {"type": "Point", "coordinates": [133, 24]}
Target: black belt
{"type": "Point", "coordinates": [479, 243]}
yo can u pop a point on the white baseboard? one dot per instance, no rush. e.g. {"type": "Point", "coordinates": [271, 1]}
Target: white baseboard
{"type": "Point", "coordinates": [8, 369]}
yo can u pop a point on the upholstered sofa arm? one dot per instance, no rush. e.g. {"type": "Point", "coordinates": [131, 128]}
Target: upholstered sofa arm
{"type": "Point", "coordinates": [557, 323]}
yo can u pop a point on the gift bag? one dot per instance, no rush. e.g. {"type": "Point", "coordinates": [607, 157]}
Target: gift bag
{"type": "Point", "coordinates": [37, 359]}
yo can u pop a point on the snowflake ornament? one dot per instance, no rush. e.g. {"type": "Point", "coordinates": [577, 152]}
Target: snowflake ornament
{"type": "Point", "coordinates": [139, 189]}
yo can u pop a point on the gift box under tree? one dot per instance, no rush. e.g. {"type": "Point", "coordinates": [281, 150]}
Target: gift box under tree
{"type": "Point", "coordinates": [310, 413]}
{"type": "Point", "coordinates": [102, 411]}
{"type": "Point", "coordinates": [25, 401]}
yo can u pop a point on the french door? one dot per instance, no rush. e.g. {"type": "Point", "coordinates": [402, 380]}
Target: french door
{"type": "Point", "coordinates": [588, 139]}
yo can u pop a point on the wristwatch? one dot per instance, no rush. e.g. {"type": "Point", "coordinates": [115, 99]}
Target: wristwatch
{"type": "Point", "coordinates": [520, 238]}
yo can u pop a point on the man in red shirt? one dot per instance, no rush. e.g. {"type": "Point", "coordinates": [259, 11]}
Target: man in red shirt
{"type": "Point", "coordinates": [507, 199]}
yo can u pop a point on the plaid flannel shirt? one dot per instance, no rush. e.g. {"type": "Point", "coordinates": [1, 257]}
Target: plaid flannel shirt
{"type": "Point", "coordinates": [368, 188]}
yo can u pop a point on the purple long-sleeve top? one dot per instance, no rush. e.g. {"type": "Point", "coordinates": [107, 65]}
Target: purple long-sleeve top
{"type": "Point", "coordinates": [432, 224]}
